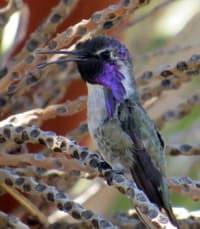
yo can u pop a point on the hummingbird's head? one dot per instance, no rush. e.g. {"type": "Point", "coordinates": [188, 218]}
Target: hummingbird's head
{"type": "Point", "coordinates": [103, 55]}
{"type": "Point", "coordinates": [102, 60]}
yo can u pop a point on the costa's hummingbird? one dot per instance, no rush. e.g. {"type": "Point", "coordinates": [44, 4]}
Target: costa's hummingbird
{"type": "Point", "coordinates": [118, 124]}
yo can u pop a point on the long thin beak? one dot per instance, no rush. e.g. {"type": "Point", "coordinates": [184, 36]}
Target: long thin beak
{"type": "Point", "coordinates": [78, 56]}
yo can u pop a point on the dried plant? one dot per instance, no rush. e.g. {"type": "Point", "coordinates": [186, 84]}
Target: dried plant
{"type": "Point", "coordinates": [41, 179]}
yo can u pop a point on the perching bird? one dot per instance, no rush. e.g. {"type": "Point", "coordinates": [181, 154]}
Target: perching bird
{"type": "Point", "coordinates": [122, 130]}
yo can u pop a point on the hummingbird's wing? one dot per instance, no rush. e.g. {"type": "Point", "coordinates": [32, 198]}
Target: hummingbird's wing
{"type": "Point", "coordinates": [148, 167]}
{"type": "Point", "coordinates": [138, 125]}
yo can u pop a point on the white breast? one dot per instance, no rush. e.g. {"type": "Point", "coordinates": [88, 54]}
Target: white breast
{"type": "Point", "coordinates": [96, 109]}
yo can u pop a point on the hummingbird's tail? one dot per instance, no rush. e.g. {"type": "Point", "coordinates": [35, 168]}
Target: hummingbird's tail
{"type": "Point", "coordinates": [149, 179]}
{"type": "Point", "coordinates": [171, 216]}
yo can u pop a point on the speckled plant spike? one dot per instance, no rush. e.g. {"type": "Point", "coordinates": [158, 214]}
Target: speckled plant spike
{"type": "Point", "coordinates": [20, 135]}
{"type": "Point", "coordinates": [141, 18]}
{"type": "Point", "coordinates": [41, 163]}
{"type": "Point", "coordinates": [42, 34]}
{"type": "Point", "coordinates": [41, 96]}
{"type": "Point", "coordinates": [186, 186]}
{"type": "Point", "coordinates": [179, 112]}
{"type": "Point", "coordinates": [98, 22]}
{"type": "Point", "coordinates": [37, 116]}
{"type": "Point", "coordinates": [183, 149]}
{"type": "Point", "coordinates": [183, 70]}
{"type": "Point", "coordinates": [170, 77]}
{"type": "Point", "coordinates": [60, 85]}
{"type": "Point", "coordinates": [168, 51]}
{"type": "Point", "coordinates": [52, 195]}
{"type": "Point", "coordinates": [129, 220]}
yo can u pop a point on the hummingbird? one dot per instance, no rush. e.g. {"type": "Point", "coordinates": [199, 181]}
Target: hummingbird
{"type": "Point", "coordinates": [120, 127]}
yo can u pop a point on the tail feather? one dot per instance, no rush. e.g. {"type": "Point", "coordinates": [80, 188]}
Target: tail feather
{"type": "Point", "coordinates": [150, 180]}
{"type": "Point", "coordinates": [171, 216]}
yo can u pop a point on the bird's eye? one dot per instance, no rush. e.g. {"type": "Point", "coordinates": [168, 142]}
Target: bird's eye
{"type": "Point", "coordinates": [105, 55]}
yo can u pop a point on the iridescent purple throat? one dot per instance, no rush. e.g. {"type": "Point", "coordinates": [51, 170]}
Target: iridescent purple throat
{"type": "Point", "coordinates": [114, 90]}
